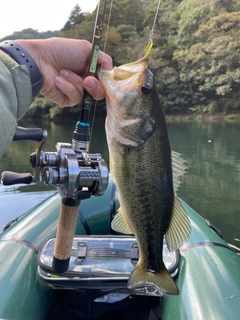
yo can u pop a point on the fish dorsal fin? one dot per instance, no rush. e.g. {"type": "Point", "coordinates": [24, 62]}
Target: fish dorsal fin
{"type": "Point", "coordinates": [179, 228]}
{"type": "Point", "coordinates": [118, 224]}
{"type": "Point", "coordinates": [178, 169]}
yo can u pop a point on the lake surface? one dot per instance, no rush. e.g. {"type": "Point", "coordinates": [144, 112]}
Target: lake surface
{"type": "Point", "coordinates": [211, 185]}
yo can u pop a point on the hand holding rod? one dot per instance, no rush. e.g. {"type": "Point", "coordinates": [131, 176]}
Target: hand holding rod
{"type": "Point", "coordinates": [87, 98]}
{"type": "Point", "coordinates": [81, 137]}
{"type": "Point", "coordinates": [76, 174]}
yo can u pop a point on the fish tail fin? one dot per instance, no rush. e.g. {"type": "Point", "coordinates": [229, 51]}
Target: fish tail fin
{"type": "Point", "coordinates": [179, 228]}
{"type": "Point", "coordinates": [160, 280]}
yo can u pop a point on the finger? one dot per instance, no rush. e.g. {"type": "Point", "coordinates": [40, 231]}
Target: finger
{"type": "Point", "coordinates": [105, 61]}
{"type": "Point", "coordinates": [91, 84]}
{"type": "Point", "coordinates": [94, 87]}
{"type": "Point", "coordinates": [72, 78]}
{"type": "Point", "coordinates": [70, 95]}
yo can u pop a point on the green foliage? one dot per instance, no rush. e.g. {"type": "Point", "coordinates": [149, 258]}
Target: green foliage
{"type": "Point", "coordinates": [126, 32]}
{"type": "Point", "coordinates": [212, 64]}
{"type": "Point", "coordinates": [77, 16]}
{"type": "Point", "coordinates": [129, 12]}
{"type": "Point", "coordinates": [195, 57]}
{"type": "Point", "coordinates": [31, 34]}
{"type": "Point", "coordinates": [83, 30]}
{"type": "Point", "coordinates": [113, 42]}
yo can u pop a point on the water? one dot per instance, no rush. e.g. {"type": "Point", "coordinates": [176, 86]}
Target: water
{"type": "Point", "coordinates": [211, 186]}
{"type": "Point", "coordinates": [212, 183]}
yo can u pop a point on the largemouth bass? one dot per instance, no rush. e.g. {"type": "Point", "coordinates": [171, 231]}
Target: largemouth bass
{"type": "Point", "coordinates": [141, 165]}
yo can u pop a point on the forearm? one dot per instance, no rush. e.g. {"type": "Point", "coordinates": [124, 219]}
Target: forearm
{"type": "Point", "coordinates": [56, 67]}
{"type": "Point", "coordinates": [15, 97]}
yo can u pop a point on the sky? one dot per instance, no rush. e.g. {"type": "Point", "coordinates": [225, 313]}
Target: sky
{"type": "Point", "coordinates": [41, 15]}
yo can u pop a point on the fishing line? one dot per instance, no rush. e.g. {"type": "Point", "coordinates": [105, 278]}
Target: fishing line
{"type": "Point", "coordinates": [108, 24]}
{"type": "Point", "coordinates": [149, 42]}
{"type": "Point", "coordinates": [104, 50]}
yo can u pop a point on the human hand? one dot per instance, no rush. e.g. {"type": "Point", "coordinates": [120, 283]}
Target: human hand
{"type": "Point", "coordinates": [64, 64]}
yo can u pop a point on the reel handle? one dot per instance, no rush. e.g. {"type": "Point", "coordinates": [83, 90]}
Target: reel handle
{"type": "Point", "coordinates": [66, 227]}
{"type": "Point", "coordinates": [35, 134]}
{"type": "Point", "coordinates": [9, 178]}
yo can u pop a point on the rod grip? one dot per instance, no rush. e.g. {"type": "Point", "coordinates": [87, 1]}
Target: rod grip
{"type": "Point", "coordinates": [65, 233]}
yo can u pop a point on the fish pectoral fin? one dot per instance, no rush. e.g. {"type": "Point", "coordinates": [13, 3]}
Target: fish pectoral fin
{"type": "Point", "coordinates": [160, 280]}
{"type": "Point", "coordinates": [118, 224]}
{"type": "Point", "coordinates": [179, 228]}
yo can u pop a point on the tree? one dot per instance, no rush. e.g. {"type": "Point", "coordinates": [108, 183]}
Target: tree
{"type": "Point", "coordinates": [190, 76]}
{"type": "Point", "coordinates": [77, 16]}
{"type": "Point", "coordinates": [212, 65]}
{"type": "Point", "coordinates": [29, 33]}
{"type": "Point", "coordinates": [196, 48]}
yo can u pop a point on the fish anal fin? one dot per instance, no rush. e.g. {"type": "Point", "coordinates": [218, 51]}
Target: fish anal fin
{"type": "Point", "coordinates": [161, 280]}
{"type": "Point", "coordinates": [179, 228]}
{"type": "Point", "coordinates": [119, 224]}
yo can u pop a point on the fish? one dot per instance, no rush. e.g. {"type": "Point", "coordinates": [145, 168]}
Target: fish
{"type": "Point", "coordinates": [145, 171]}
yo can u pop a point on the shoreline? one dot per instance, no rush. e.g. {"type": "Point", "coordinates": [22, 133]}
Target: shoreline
{"type": "Point", "coordinates": [217, 117]}
{"type": "Point", "coordinates": [172, 117]}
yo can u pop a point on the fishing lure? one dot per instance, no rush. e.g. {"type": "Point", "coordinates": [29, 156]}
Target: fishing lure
{"type": "Point", "coordinates": [149, 44]}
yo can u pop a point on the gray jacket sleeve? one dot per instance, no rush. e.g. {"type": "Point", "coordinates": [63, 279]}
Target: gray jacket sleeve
{"type": "Point", "coordinates": [15, 97]}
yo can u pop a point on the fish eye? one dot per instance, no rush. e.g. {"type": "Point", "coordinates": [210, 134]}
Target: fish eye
{"type": "Point", "coordinates": [146, 88]}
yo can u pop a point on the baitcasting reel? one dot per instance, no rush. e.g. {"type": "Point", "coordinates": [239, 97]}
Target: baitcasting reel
{"type": "Point", "coordinates": [76, 173]}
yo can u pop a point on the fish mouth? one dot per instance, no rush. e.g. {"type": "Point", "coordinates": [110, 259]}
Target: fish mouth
{"type": "Point", "coordinates": [126, 71]}
{"type": "Point", "coordinates": [125, 78]}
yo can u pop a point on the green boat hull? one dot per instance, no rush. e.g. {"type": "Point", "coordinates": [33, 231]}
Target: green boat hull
{"type": "Point", "coordinates": [208, 277]}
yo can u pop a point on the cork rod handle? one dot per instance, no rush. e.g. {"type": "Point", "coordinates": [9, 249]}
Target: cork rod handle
{"type": "Point", "coordinates": [66, 227]}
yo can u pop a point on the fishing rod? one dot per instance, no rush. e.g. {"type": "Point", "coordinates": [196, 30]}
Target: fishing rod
{"type": "Point", "coordinates": [81, 135]}
{"type": "Point", "coordinates": [76, 174]}
{"type": "Point", "coordinates": [80, 143]}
